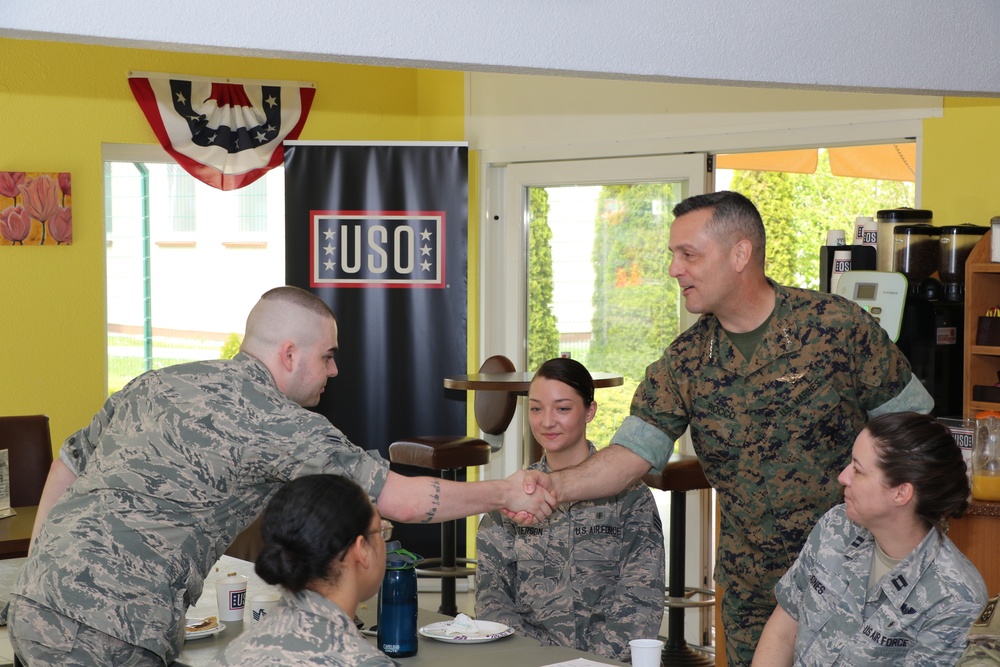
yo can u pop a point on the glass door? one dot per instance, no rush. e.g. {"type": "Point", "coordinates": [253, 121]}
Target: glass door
{"type": "Point", "coordinates": [578, 266]}
{"type": "Point", "coordinates": [575, 262]}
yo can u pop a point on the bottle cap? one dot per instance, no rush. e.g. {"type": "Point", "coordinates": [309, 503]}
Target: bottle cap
{"type": "Point", "coordinates": [398, 558]}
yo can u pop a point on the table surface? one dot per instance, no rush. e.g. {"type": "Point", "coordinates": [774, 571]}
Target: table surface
{"type": "Point", "coordinates": [515, 381]}
{"type": "Point", "coordinates": [15, 532]}
{"type": "Point", "coordinates": [513, 650]}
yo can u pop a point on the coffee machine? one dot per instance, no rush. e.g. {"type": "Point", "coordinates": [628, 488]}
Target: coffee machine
{"type": "Point", "coordinates": [916, 253]}
{"type": "Point", "coordinates": [956, 242]}
{"type": "Point", "coordinates": [932, 327]}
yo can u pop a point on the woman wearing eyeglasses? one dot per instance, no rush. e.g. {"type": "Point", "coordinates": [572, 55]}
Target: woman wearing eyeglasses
{"type": "Point", "coordinates": [324, 544]}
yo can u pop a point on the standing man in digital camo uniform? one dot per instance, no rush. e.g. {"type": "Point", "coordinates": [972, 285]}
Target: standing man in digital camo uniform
{"type": "Point", "coordinates": [775, 383]}
{"type": "Point", "coordinates": [142, 502]}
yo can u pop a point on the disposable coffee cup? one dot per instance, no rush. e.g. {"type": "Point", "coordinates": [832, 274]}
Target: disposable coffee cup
{"type": "Point", "coordinates": [836, 237]}
{"type": "Point", "coordinates": [231, 592]}
{"type": "Point", "coordinates": [861, 223]}
{"type": "Point", "coordinates": [261, 605]}
{"type": "Point", "coordinates": [841, 265]}
{"type": "Point", "coordinates": [646, 652]}
{"type": "Point", "coordinates": [870, 232]}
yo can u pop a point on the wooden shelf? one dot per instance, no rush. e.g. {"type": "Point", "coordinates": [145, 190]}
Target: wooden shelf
{"type": "Point", "coordinates": [982, 292]}
{"type": "Point", "coordinates": [977, 534]}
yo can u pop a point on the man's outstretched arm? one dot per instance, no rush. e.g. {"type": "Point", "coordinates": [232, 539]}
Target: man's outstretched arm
{"type": "Point", "coordinates": [604, 474]}
{"type": "Point", "coordinates": [433, 500]}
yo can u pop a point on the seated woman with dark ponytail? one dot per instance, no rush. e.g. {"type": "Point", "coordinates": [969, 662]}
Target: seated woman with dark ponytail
{"type": "Point", "coordinates": [878, 581]}
{"type": "Point", "coordinates": [324, 545]}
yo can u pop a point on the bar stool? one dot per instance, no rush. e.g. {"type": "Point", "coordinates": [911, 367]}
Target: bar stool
{"type": "Point", "coordinates": [447, 454]}
{"type": "Point", "coordinates": [682, 473]}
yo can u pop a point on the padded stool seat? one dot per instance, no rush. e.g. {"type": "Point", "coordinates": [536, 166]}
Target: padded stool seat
{"type": "Point", "coordinates": [447, 454]}
{"type": "Point", "coordinates": [440, 452]}
{"type": "Point", "coordinates": [682, 473]}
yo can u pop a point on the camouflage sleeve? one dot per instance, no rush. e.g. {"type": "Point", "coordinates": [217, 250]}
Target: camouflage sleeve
{"type": "Point", "coordinates": [980, 655]}
{"type": "Point", "coordinates": [495, 573]}
{"type": "Point", "coordinates": [78, 448]}
{"type": "Point", "coordinates": [638, 609]}
{"type": "Point", "coordinates": [658, 401]}
{"type": "Point", "coordinates": [885, 381]}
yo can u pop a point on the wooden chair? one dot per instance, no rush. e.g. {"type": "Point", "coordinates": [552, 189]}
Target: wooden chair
{"type": "Point", "coordinates": [447, 454]}
{"type": "Point", "coordinates": [29, 450]}
{"type": "Point", "coordinates": [682, 473]}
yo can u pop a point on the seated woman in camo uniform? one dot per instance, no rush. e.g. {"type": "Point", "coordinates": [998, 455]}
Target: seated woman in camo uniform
{"type": "Point", "coordinates": [324, 545]}
{"type": "Point", "coordinates": [878, 581]}
{"type": "Point", "coordinates": [592, 576]}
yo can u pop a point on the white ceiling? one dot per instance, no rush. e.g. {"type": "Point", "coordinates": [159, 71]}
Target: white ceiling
{"type": "Point", "coordinates": [907, 46]}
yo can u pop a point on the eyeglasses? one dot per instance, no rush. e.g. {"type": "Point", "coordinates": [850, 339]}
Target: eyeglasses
{"type": "Point", "coordinates": [385, 530]}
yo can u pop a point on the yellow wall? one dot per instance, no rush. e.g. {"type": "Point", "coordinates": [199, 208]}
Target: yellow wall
{"type": "Point", "coordinates": [58, 104]}
{"type": "Point", "coordinates": [961, 162]}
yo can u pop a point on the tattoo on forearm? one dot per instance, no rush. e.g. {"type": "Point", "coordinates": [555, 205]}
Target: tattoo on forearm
{"type": "Point", "coordinates": [435, 501]}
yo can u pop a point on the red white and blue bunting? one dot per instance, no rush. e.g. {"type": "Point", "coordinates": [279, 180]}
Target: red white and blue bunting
{"type": "Point", "coordinates": [224, 132]}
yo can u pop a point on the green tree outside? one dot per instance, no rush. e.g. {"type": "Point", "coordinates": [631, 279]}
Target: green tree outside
{"type": "Point", "coordinates": [231, 346]}
{"type": "Point", "coordinates": [543, 334]}
{"type": "Point", "coordinates": [798, 210]}
{"type": "Point", "coordinates": [635, 299]}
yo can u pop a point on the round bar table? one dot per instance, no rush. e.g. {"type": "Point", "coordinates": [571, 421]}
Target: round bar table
{"type": "Point", "coordinates": [516, 382]}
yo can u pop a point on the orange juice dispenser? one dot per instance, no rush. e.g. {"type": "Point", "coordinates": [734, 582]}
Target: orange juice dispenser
{"type": "Point", "coordinates": [986, 456]}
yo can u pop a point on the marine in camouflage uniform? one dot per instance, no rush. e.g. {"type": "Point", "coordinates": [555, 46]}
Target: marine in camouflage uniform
{"type": "Point", "coordinates": [170, 470]}
{"type": "Point", "coordinates": [306, 629]}
{"type": "Point", "coordinates": [590, 578]}
{"type": "Point", "coordinates": [772, 432]}
{"type": "Point", "coordinates": [918, 616]}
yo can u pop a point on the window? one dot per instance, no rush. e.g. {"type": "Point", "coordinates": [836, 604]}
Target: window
{"type": "Point", "coordinates": [185, 262]}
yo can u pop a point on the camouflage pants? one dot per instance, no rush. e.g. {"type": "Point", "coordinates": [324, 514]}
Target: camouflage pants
{"type": "Point", "coordinates": [41, 637]}
{"type": "Point", "coordinates": [742, 622]}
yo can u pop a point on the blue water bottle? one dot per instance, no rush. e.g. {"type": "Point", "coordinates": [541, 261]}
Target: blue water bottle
{"type": "Point", "coordinates": [397, 603]}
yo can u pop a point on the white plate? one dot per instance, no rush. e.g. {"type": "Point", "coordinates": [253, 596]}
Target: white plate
{"type": "Point", "coordinates": [204, 633]}
{"type": "Point", "coordinates": [488, 632]}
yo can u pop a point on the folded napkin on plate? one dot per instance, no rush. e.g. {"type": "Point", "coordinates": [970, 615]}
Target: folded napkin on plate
{"type": "Point", "coordinates": [462, 625]}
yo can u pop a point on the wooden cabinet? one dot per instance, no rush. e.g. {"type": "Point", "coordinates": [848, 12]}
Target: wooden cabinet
{"type": "Point", "coordinates": [982, 292]}
{"type": "Point", "coordinates": [977, 535]}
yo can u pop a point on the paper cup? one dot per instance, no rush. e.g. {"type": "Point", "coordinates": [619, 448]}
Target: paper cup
{"type": "Point", "coordinates": [261, 605]}
{"type": "Point", "coordinates": [871, 232]}
{"type": "Point", "coordinates": [231, 593]}
{"type": "Point", "coordinates": [841, 265]}
{"type": "Point", "coordinates": [646, 652]}
{"type": "Point", "coordinates": [860, 225]}
{"type": "Point", "coordinates": [836, 237]}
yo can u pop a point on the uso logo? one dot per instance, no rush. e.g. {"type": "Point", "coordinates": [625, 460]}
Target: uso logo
{"type": "Point", "coordinates": [377, 249]}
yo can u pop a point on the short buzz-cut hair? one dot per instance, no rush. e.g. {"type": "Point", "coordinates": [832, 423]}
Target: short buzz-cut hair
{"type": "Point", "coordinates": [298, 297]}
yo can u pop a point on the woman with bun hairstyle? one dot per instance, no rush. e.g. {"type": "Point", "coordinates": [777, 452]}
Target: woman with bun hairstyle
{"type": "Point", "coordinates": [878, 581]}
{"type": "Point", "coordinates": [324, 545]}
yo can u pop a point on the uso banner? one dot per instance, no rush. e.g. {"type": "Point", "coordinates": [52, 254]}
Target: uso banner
{"type": "Point", "coordinates": [379, 232]}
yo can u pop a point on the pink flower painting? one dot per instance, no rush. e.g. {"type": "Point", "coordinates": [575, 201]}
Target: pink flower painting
{"type": "Point", "coordinates": [35, 208]}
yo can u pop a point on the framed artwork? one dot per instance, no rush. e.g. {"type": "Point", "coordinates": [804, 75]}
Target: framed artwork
{"type": "Point", "coordinates": [35, 208]}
